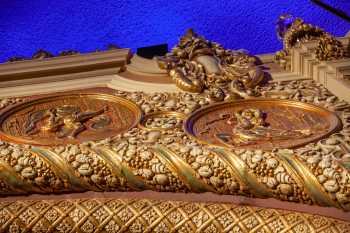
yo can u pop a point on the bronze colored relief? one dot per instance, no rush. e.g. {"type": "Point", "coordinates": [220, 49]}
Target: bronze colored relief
{"type": "Point", "coordinates": [261, 124]}
{"type": "Point", "coordinates": [166, 159]}
{"type": "Point", "coordinates": [68, 119]}
{"type": "Point", "coordinates": [159, 155]}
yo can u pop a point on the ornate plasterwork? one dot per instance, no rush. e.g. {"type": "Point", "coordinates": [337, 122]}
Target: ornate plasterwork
{"type": "Point", "coordinates": [136, 216]}
{"type": "Point", "coordinates": [196, 65]}
{"type": "Point", "coordinates": [9, 101]}
{"type": "Point", "coordinates": [64, 119]}
{"type": "Point", "coordinates": [167, 159]}
{"type": "Point", "coordinates": [329, 48]}
{"type": "Point", "coordinates": [44, 54]}
{"type": "Point", "coordinates": [263, 124]}
{"type": "Point", "coordinates": [294, 31]}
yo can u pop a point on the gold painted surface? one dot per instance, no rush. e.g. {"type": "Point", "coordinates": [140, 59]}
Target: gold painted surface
{"type": "Point", "coordinates": [168, 160]}
{"type": "Point", "coordinates": [184, 171]}
{"type": "Point", "coordinates": [68, 119]}
{"type": "Point", "coordinates": [330, 49]}
{"type": "Point", "coordinates": [197, 65]}
{"type": "Point", "coordinates": [299, 32]}
{"type": "Point", "coordinates": [312, 187]}
{"type": "Point", "coordinates": [101, 142]}
{"type": "Point", "coordinates": [247, 180]}
{"type": "Point", "coordinates": [261, 124]}
{"type": "Point", "coordinates": [142, 215]}
{"type": "Point", "coordinates": [162, 120]}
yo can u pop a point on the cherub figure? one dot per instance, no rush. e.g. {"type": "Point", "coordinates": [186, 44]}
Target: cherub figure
{"type": "Point", "coordinates": [250, 126]}
{"type": "Point", "coordinates": [65, 121]}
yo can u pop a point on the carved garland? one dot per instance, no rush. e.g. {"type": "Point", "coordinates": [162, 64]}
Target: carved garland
{"type": "Point", "coordinates": [160, 155]}
{"type": "Point", "coordinates": [167, 159]}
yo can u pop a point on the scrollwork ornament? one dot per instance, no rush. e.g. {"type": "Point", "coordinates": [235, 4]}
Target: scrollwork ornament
{"type": "Point", "coordinates": [300, 32]}
{"type": "Point", "coordinates": [294, 31]}
{"type": "Point", "coordinates": [169, 160]}
{"type": "Point", "coordinates": [329, 48]}
{"type": "Point", "coordinates": [196, 64]}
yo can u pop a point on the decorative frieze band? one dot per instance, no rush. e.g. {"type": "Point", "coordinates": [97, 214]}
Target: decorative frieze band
{"type": "Point", "coordinates": [143, 215]}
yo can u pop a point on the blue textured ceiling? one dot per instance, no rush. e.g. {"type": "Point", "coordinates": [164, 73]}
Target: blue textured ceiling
{"type": "Point", "coordinates": [26, 26]}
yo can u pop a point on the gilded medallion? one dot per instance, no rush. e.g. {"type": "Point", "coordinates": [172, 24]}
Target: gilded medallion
{"type": "Point", "coordinates": [261, 124]}
{"type": "Point", "coordinates": [68, 119]}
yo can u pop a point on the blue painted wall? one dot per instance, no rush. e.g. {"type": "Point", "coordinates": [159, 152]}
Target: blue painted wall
{"type": "Point", "coordinates": [26, 26]}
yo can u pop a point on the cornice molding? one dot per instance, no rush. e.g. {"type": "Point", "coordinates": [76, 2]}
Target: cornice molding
{"type": "Point", "coordinates": [332, 74]}
{"type": "Point", "coordinates": [96, 63]}
{"type": "Point", "coordinates": [47, 85]}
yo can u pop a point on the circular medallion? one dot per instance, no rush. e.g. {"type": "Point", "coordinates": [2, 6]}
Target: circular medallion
{"type": "Point", "coordinates": [261, 124]}
{"type": "Point", "coordinates": [68, 119]}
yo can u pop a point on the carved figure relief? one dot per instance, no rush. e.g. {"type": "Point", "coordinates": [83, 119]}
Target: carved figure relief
{"type": "Point", "coordinates": [159, 155]}
{"type": "Point", "coordinates": [250, 126]}
{"type": "Point", "coordinates": [69, 119]}
{"type": "Point", "coordinates": [65, 121]}
{"type": "Point", "coordinates": [263, 124]}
